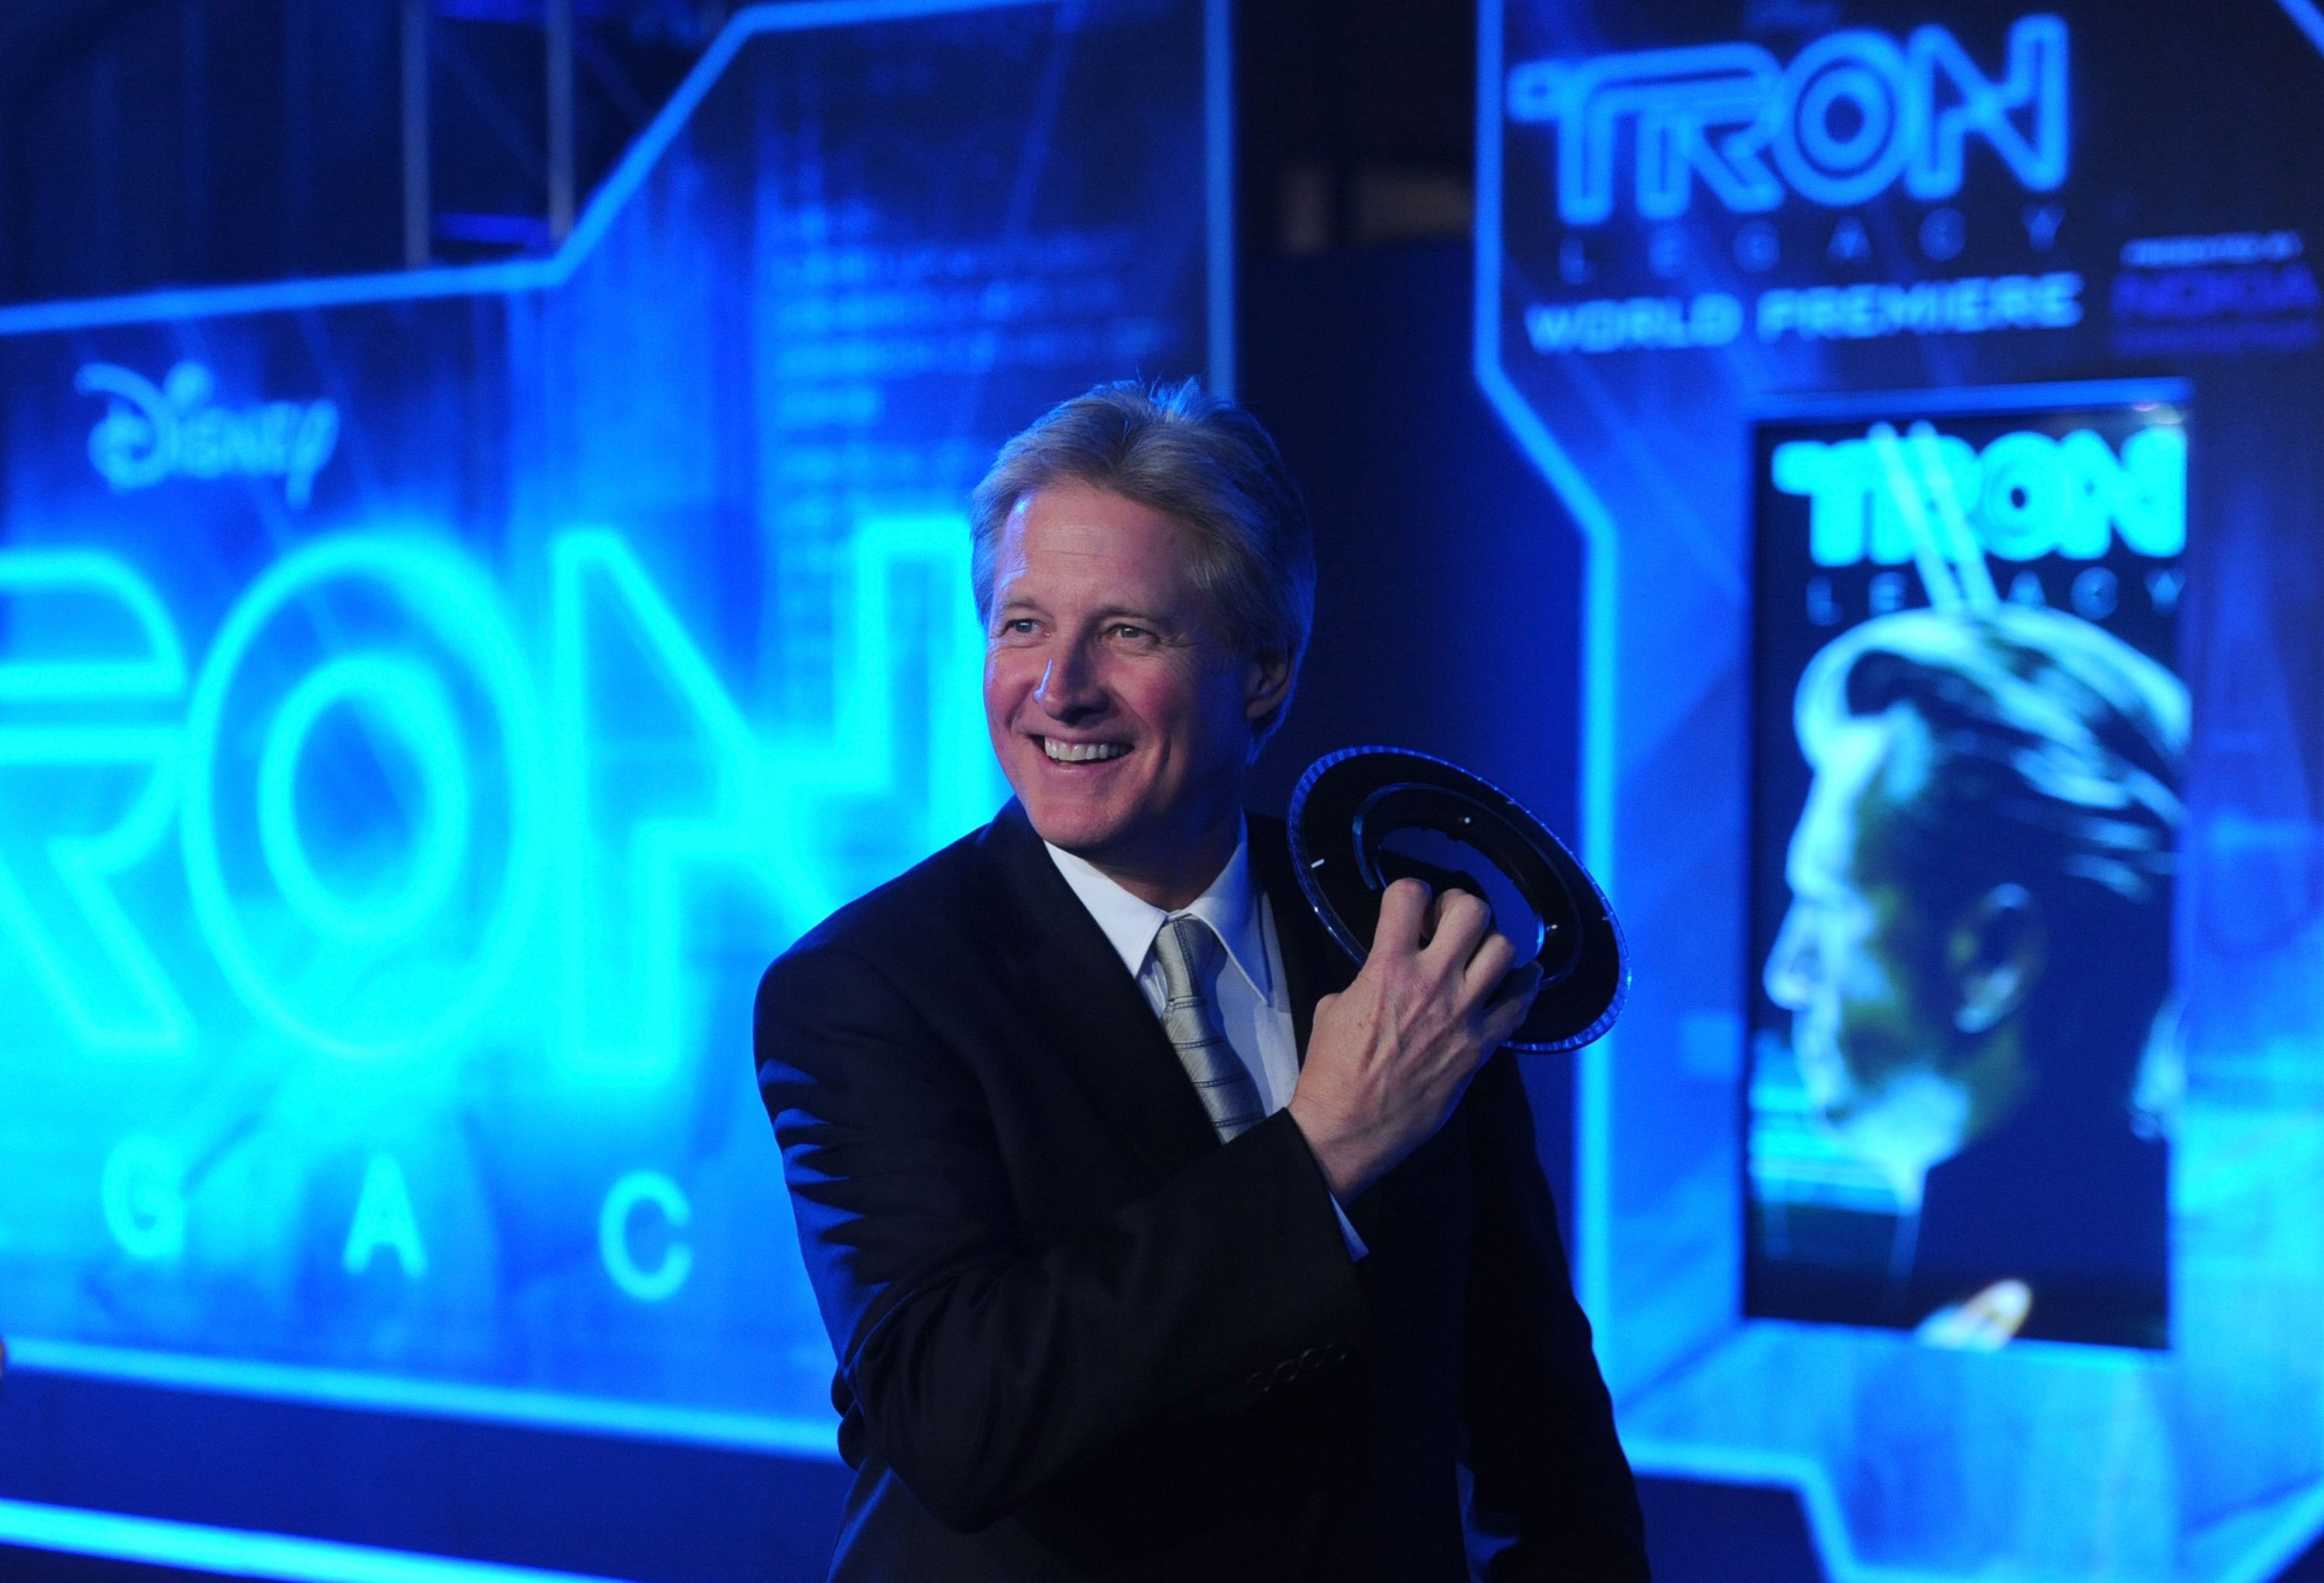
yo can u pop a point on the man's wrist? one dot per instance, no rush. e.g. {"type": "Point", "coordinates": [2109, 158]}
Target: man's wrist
{"type": "Point", "coordinates": [1332, 1187]}
{"type": "Point", "coordinates": [1331, 1156]}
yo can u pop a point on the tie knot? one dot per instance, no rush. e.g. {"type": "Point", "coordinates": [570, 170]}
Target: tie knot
{"type": "Point", "coordinates": [1188, 948]}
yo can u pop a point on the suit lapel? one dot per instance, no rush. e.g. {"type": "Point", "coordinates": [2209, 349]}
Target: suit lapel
{"type": "Point", "coordinates": [1103, 1033]}
{"type": "Point", "coordinates": [1314, 965]}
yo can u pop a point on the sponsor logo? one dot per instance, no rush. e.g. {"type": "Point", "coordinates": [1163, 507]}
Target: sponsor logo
{"type": "Point", "coordinates": [150, 432]}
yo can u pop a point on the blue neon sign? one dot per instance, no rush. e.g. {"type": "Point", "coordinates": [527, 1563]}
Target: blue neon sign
{"type": "Point", "coordinates": [2023, 495]}
{"type": "Point", "coordinates": [1855, 290]}
{"type": "Point", "coordinates": [426, 701]}
{"type": "Point", "coordinates": [1852, 112]}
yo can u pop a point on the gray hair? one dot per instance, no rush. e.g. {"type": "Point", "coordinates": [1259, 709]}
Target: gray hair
{"type": "Point", "coordinates": [2029, 746]}
{"type": "Point", "coordinates": [2042, 729]}
{"type": "Point", "coordinates": [1197, 458]}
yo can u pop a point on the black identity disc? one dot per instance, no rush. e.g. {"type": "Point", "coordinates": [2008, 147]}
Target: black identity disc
{"type": "Point", "coordinates": [1349, 804]}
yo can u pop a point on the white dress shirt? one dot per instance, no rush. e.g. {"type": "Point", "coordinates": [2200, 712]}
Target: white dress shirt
{"type": "Point", "coordinates": [1249, 989]}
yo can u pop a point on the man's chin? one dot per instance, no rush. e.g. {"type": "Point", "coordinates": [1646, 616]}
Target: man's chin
{"type": "Point", "coordinates": [1907, 1126]}
{"type": "Point", "coordinates": [1084, 831]}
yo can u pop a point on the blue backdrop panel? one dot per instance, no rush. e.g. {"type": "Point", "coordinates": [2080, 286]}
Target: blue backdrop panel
{"type": "Point", "coordinates": [426, 701]}
{"type": "Point", "coordinates": [1711, 232]}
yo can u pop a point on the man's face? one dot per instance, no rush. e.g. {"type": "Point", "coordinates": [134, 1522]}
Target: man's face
{"type": "Point", "coordinates": [1121, 716]}
{"type": "Point", "coordinates": [1857, 966]}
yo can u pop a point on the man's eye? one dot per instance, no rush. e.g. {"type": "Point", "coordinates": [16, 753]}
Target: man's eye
{"type": "Point", "coordinates": [1020, 628]}
{"type": "Point", "coordinates": [1130, 633]}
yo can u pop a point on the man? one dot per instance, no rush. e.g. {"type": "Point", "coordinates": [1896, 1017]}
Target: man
{"type": "Point", "coordinates": [1976, 955]}
{"type": "Point", "coordinates": [1153, 1241]}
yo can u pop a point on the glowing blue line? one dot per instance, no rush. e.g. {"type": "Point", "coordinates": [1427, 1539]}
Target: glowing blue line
{"type": "Point", "coordinates": [2089, 392]}
{"type": "Point", "coordinates": [2307, 19]}
{"type": "Point", "coordinates": [1218, 171]}
{"type": "Point", "coordinates": [1803, 1476]}
{"type": "Point", "coordinates": [218, 302]}
{"type": "Point", "coordinates": [1593, 1188]}
{"type": "Point", "coordinates": [2292, 1536]}
{"type": "Point", "coordinates": [793, 1436]}
{"type": "Point", "coordinates": [509, 277]}
{"type": "Point", "coordinates": [1593, 1085]}
{"type": "Point", "coordinates": [616, 192]}
{"type": "Point", "coordinates": [1808, 1477]}
{"type": "Point", "coordinates": [245, 1553]}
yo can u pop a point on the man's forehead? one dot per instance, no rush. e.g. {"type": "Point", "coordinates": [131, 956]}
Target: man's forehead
{"type": "Point", "coordinates": [1848, 757]}
{"type": "Point", "coordinates": [1069, 534]}
{"type": "Point", "coordinates": [1069, 501]}
{"type": "Point", "coordinates": [1081, 541]}
{"type": "Point", "coordinates": [1844, 795]}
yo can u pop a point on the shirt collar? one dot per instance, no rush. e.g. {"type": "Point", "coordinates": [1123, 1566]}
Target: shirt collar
{"type": "Point", "coordinates": [1231, 907]}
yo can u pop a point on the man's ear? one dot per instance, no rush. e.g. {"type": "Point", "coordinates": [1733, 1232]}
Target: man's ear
{"type": "Point", "coordinates": [1995, 953]}
{"type": "Point", "coordinates": [1266, 683]}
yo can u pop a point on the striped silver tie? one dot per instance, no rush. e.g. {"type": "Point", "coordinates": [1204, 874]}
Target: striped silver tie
{"type": "Point", "coordinates": [1188, 951]}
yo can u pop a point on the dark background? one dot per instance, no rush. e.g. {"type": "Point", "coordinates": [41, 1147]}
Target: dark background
{"type": "Point", "coordinates": [151, 143]}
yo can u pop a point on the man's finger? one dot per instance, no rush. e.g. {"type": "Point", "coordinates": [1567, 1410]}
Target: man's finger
{"type": "Point", "coordinates": [1430, 919]}
{"type": "Point", "coordinates": [1505, 1011]}
{"type": "Point", "coordinates": [1463, 922]}
{"type": "Point", "coordinates": [1404, 909]}
{"type": "Point", "coordinates": [1489, 965]}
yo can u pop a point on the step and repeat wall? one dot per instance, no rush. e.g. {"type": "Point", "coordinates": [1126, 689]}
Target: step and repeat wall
{"type": "Point", "coordinates": [1937, 388]}
{"type": "Point", "coordinates": [428, 701]}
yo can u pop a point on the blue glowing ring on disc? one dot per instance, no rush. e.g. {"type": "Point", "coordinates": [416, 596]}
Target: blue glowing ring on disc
{"type": "Point", "coordinates": [1350, 804]}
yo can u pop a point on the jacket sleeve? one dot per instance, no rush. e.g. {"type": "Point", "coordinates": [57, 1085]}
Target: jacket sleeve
{"type": "Point", "coordinates": [985, 1365]}
{"type": "Point", "coordinates": [1552, 1492]}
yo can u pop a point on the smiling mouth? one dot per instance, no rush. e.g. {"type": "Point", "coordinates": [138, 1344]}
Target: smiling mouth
{"type": "Point", "coordinates": [1081, 752]}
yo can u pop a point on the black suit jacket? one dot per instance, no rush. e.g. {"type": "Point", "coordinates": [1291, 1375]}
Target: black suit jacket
{"type": "Point", "coordinates": [1079, 1338]}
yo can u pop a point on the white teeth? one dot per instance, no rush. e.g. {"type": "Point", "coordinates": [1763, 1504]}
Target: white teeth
{"type": "Point", "coordinates": [1081, 752]}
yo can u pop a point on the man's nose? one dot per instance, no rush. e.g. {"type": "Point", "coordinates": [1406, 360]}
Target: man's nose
{"type": "Point", "coordinates": [1791, 965]}
{"type": "Point", "coordinates": [1069, 686]}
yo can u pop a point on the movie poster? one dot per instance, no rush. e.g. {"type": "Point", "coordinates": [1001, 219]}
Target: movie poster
{"type": "Point", "coordinates": [1970, 736]}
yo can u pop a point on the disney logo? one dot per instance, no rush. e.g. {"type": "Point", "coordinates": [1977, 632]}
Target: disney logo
{"type": "Point", "coordinates": [150, 433]}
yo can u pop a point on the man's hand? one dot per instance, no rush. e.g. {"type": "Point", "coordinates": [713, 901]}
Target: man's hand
{"type": "Point", "coordinates": [1390, 1056]}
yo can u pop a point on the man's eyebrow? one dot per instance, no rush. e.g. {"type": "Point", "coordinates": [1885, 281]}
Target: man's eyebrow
{"type": "Point", "coordinates": [1160, 621]}
{"type": "Point", "coordinates": [1151, 618]}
